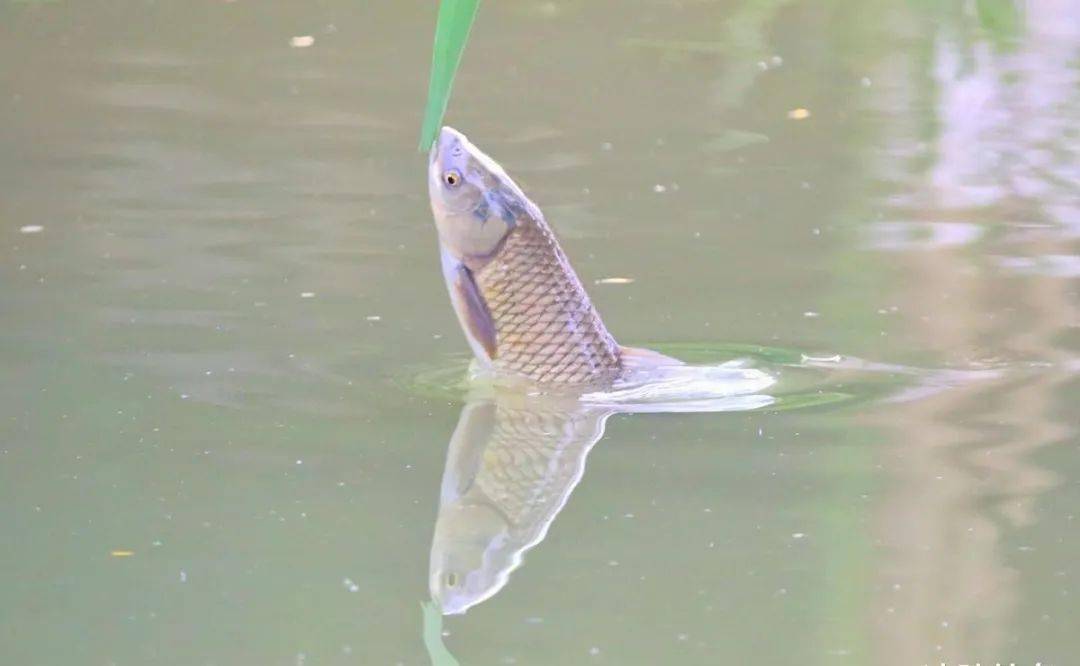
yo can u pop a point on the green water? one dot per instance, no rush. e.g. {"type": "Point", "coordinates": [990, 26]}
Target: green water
{"type": "Point", "coordinates": [220, 440]}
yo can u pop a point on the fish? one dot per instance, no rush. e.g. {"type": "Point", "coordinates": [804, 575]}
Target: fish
{"type": "Point", "coordinates": [511, 466]}
{"type": "Point", "coordinates": [516, 456]}
{"type": "Point", "coordinates": [523, 309]}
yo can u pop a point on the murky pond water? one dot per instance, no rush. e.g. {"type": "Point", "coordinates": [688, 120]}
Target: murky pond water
{"type": "Point", "coordinates": [231, 430]}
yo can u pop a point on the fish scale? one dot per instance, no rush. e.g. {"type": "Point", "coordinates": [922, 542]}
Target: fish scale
{"type": "Point", "coordinates": [532, 460]}
{"type": "Point", "coordinates": [512, 464]}
{"type": "Point", "coordinates": [547, 328]}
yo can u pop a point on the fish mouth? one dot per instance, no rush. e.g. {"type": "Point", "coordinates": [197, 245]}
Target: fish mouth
{"type": "Point", "coordinates": [441, 139]}
{"type": "Point", "coordinates": [433, 154]}
{"type": "Point", "coordinates": [445, 140]}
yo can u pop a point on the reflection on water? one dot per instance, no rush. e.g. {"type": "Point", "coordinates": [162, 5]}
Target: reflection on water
{"type": "Point", "coordinates": [514, 459]}
{"type": "Point", "coordinates": [509, 471]}
{"type": "Point", "coordinates": [217, 266]}
{"type": "Point", "coordinates": [999, 173]}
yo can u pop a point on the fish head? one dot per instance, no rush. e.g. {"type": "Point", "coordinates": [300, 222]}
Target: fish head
{"type": "Point", "coordinates": [475, 204]}
{"type": "Point", "coordinates": [468, 557]}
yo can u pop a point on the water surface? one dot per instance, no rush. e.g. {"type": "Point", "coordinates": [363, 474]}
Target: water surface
{"type": "Point", "coordinates": [222, 307]}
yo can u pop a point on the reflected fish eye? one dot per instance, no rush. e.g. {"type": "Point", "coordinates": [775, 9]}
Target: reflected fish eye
{"type": "Point", "coordinates": [451, 177]}
{"type": "Point", "coordinates": [451, 580]}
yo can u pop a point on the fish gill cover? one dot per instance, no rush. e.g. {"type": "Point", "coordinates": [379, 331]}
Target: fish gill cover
{"type": "Point", "coordinates": [451, 33]}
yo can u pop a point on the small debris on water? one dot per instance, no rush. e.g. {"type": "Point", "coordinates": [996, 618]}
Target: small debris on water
{"type": "Point", "coordinates": [659, 189]}
{"type": "Point", "coordinates": [121, 553]}
{"type": "Point", "coordinates": [301, 41]}
{"type": "Point", "coordinates": [350, 585]}
{"type": "Point", "coordinates": [183, 576]}
{"type": "Point", "coordinates": [810, 314]}
{"type": "Point", "coordinates": [797, 535]}
{"type": "Point", "coordinates": [594, 651]}
{"type": "Point", "coordinates": [865, 82]}
{"type": "Point", "coordinates": [373, 318]}
{"type": "Point", "coordinates": [607, 145]}
{"type": "Point", "coordinates": [31, 229]}
{"type": "Point", "coordinates": [615, 280]}
{"type": "Point", "coordinates": [307, 294]}
{"type": "Point", "coordinates": [798, 114]}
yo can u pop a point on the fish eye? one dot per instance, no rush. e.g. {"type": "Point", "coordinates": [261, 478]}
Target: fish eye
{"type": "Point", "coordinates": [452, 178]}
{"type": "Point", "coordinates": [451, 580]}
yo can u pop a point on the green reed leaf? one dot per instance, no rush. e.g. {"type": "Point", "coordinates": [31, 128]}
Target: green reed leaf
{"type": "Point", "coordinates": [451, 33]}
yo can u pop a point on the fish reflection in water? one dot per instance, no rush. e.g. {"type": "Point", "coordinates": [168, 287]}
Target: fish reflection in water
{"type": "Point", "coordinates": [514, 459]}
{"type": "Point", "coordinates": [509, 471]}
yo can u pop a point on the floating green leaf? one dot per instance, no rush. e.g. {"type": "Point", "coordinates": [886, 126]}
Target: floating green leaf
{"type": "Point", "coordinates": [451, 32]}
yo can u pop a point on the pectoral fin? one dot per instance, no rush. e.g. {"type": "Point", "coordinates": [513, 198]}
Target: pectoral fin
{"type": "Point", "coordinates": [474, 313]}
{"type": "Point", "coordinates": [465, 454]}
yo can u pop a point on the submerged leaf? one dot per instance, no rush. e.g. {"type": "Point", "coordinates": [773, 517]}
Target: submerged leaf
{"type": "Point", "coordinates": [678, 45]}
{"type": "Point", "coordinates": [809, 399]}
{"type": "Point", "coordinates": [437, 652]}
{"type": "Point", "coordinates": [451, 32]}
{"type": "Point", "coordinates": [733, 140]}
{"type": "Point", "coordinates": [1003, 19]}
